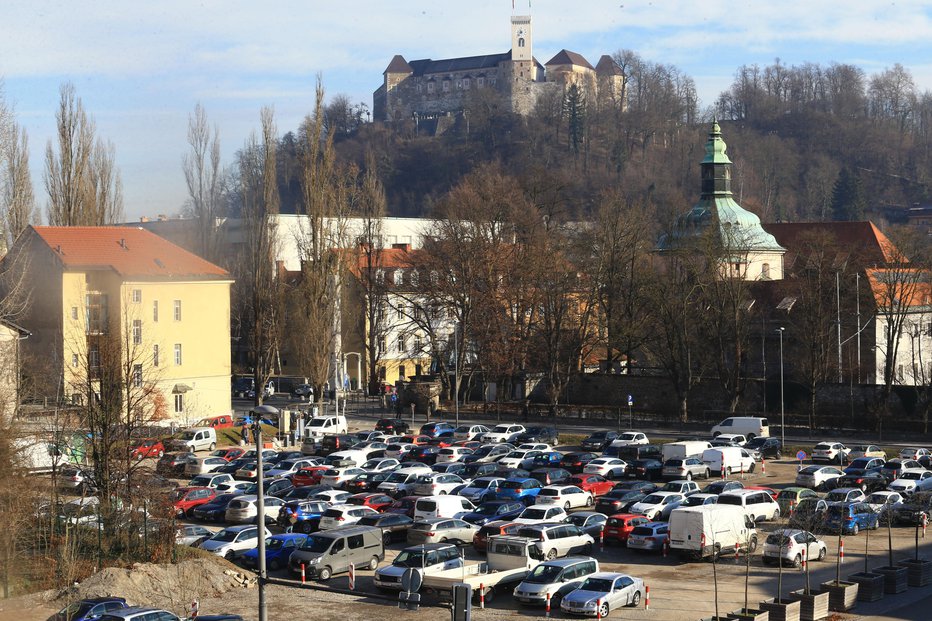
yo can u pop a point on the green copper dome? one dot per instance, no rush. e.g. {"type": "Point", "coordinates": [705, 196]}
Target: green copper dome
{"type": "Point", "coordinates": [737, 227]}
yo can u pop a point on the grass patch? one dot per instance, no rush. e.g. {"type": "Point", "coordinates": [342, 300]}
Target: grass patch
{"type": "Point", "coordinates": [233, 435]}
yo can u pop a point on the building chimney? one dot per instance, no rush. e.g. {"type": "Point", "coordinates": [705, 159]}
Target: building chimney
{"type": "Point", "coordinates": [123, 243]}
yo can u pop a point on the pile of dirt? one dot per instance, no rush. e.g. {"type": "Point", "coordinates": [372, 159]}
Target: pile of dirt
{"type": "Point", "coordinates": [172, 587]}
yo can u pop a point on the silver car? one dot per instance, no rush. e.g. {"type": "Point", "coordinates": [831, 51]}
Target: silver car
{"type": "Point", "coordinates": [688, 469]}
{"type": "Point", "coordinates": [441, 530]}
{"type": "Point", "coordinates": [603, 592]}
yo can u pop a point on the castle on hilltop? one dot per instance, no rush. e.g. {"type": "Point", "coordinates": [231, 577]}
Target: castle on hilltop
{"type": "Point", "coordinates": [429, 88]}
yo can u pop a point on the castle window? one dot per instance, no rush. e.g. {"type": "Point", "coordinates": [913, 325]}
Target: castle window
{"type": "Point", "coordinates": [491, 81]}
{"type": "Point", "coordinates": [459, 84]}
{"type": "Point", "coordinates": [521, 42]}
{"type": "Point", "coordinates": [466, 83]}
{"type": "Point", "coordinates": [430, 87]}
{"type": "Point", "coordinates": [418, 88]}
{"type": "Point", "coordinates": [480, 82]}
{"type": "Point", "coordinates": [446, 86]}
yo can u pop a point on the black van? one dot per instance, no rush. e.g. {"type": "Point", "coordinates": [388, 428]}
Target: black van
{"type": "Point", "coordinates": [634, 452]}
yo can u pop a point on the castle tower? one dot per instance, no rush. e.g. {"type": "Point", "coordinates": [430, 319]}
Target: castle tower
{"type": "Point", "coordinates": [522, 40]}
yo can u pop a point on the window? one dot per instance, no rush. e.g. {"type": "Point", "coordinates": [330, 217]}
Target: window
{"type": "Point", "coordinates": [179, 404]}
{"type": "Point", "coordinates": [480, 82]}
{"type": "Point", "coordinates": [430, 87]}
{"type": "Point", "coordinates": [93, 357]}
{"type": "Point", "coordinates": [401, 310]}
{"type": "Point", "coordinates": [96, 314]}
{"type": "Point", "coordinates": [401, 344]}
{"type": "Point", "coordinates": [137, 331]}
{"type": "Point", "coordinates": [178, 354]}
{"type": "Point", "coordinates": [155, 310]}
{"type": "Point", "coordinates": [446, 86]}
{"type": "Point", "coordinates": [177, 310]}
{"type": "Point", "coordinates": [521, 42]}
{"type": "Point", "coordinates": [459, 84]}
{"type": "Point", "coordinates": [354, 541]}
{"type": "Point", "coordinates": [417, 342]}
{"type": "Point", "coordinates": [74, 360]}
{"type": "Point", "coordinates": [401, 372]}
{"type": "Point", "coordinates": [383, 345]}
{"type": "Point", "coordinates": [137, 375]}
{"type": "Point", "coordinates": [155, 355]}
{"type": "Point", "coordinates": [466, 83]}
{"type": "Point", "coordinates": [765, 271]}
{"type": "Point", "coordinates": [414, 278]}
{"type": "Point", "coordinates": [399, 277]}
{"type": "Point", "coordinates": [74, 313]}
{"type": "Point", "coordinates": [137, 296]}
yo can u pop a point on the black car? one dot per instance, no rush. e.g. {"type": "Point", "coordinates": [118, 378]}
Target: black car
{"type": "Point", "coordinates": [769, 448]}
{"type": "Point", "coordinates": [283, 455]}
{"type": "Point", "coordinates": [424, 454]}
{"type": "Point", "coordinates": [719, 487]}
{"type": "Point", "coordinates": [911, 511]}
{"type": "Point", "coordinates": [634, 452]}
{"type": "Point", "coordinates": [867, 482]}
{"type": "Point", "coordinates": [393, 426]}
{"type": "Point", "coordinates": [365, 482]}
{"type": "Point", "coordinates": [215, 510]}
{"type": "Point", "coordinates": [637, 486]}
{"type": "Point", "coordinates": [547, 435]}
{"type": "Point", "coordinates": [575, 462]}
{"type": "Point", "coordinates": [303, 493]}
{"type": "Point", "coordinates": [550, 476]}
{"type": "Point", "coordinates": [651, 469]}
{"type": "Point", "coordinates": [173, 463]}
{"type": "Point", "coordinates": [599, 440]}
{"type": "Point", "coordinates": [862, 465]}
{"type": "Point", "coordinates": [494, 510]}
{"type": "Point", "coordinates": [452, 467]}
{"type": "Point", "coordinates": [444, 438]}
{"type": "Point", "coordinates": [618, 501]}
{"type": "Point", "coordinates": [394, 525]}
{"type": "Point", "coordinates": [334, 443]}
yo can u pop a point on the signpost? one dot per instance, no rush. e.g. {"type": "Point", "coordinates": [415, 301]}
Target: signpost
{"type": "Point", "coordinates": [630, 404]}
{"type": "Point", "coordinates": [801, 455]}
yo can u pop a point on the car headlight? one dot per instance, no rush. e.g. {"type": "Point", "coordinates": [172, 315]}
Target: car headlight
{"type": "Point", "coordinates": [592, 603]}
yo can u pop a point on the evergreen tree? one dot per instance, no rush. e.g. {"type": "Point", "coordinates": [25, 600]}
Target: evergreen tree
{"type": "Point", "coordinates": [848, 202]}
{"type": "Point", "coordinates": [574, 111]}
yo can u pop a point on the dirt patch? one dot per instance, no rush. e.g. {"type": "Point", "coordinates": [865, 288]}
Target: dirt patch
{"type": "Point", "coordinates": [172, 587]}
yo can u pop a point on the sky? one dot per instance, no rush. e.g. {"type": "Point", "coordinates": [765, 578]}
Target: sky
{"type": "Point", "coordinates": [141, 67]}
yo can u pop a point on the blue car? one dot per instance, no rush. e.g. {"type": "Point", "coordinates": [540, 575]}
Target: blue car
{"type": "Point", "coordinates": [278, 549]}
{"type": "Point", "coordinates": [215, 510]}
{"type": "Point", "coordinates": [548, 459]}
{"type": "Point", "coordinates": [435, 429]}
{"type": "Point", "coordinates": [494, 510]}
{"type": "Point", "coordinates": [851, 517]}
{"type": "Point", "coordinates": [523, 490]}
{"type": "Point", "coordinates": [85, 609]}
{"type": "Point", "coordinates": [302, 515]}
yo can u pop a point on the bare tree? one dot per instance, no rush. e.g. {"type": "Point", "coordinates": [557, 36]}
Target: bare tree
{"type": "Point", "coordinates": [81, 179]}
{"type": "Point", "coordinates": [204, 178]}
{"type": "Point", "coordinates": [17, 201]}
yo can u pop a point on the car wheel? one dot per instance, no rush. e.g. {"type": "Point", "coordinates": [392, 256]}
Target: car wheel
{"type": "Point", "coordinates": [855, 529]}
{"type": "Point", "coordinates": [776, 515]}
{"type": "Point", "coordinates": [587, 549]}
{"type": "Point", "coordinates": [779, 455]}
{"type": "Point", "coordinates": [230, 555]}
{"type": "Point", "coordinates": [635, 599]}
{"type": "Point", "coordinates": [213, 445]}
{"type": "Point", "coordinates": [589, 501]}
{"type": "Point", "coordinates": [716, 434]}
{"type": "Point", "coordinates": [306, 528]}
{"type": "Point", "coordinates": [386, 538]}
{"type": "Point", "coordinates": [752, 545]}
{"type": "Point", "coordinates": [566, 506]}
{"type": "Point", "coordinates": [750, 437]}
{"type": "Point", "coordinates": [603, 610]}
{"type": "Point", "coordinates": [373, 563]}
{"type": "Point", "coordinates": [551, 554]}
{"type": "Point", "coordinates": [751, 467]}
{"type": "Point", "coordinates": [821, 554]}
{"type": "Point", "coordinates": [797, 561]}
{"type": "Point", "coordinates": [442, 493]}
{"type": "Point", "coordinates": [689, 476]}
{"type": "Point", "coordinates": [443, 540]}
{"type": "Point", "coordinates": [275, 564]}
{"type": "Point", "coordinates": [324, 574]}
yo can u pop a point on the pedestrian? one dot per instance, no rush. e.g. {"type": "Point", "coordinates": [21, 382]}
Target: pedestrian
{"type": "Point", "coordinates": [244, 434]}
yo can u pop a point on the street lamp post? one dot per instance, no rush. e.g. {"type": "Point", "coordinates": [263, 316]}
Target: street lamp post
{"type": "Point", "coordinates": [782, 406]}
{"type": "Point", "coordinates": [258, 413]}
{"type": "Point", "coordinates": [456, 376]}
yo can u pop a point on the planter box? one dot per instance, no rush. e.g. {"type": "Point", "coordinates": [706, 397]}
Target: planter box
{"type": "Point", "coordinates": [813, 606]}
{"type": "Point", "coordinates": [781, 609]}
{"type": "Point", "coordinates": [841, 595]}
{"type": "Point", "coordinates": [919, 572]}
{"type": "Point", "coordinates": [750, 614]}
{"type": "Point", "coordinates": [894, 578]}
{"type": "Point", "coordinates": [870, 586]}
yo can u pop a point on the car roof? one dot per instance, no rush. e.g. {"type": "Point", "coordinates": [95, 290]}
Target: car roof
{"type": "Point", "coordinates": [564, 562]}
{"type": "Point", "coordinates": [608, 575]}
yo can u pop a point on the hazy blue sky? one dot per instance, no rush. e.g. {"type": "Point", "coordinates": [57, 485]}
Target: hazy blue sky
{"type": "Point", "coordinates": [140, 67]}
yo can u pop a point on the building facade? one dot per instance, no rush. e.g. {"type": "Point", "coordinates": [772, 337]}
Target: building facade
{"type": "Point", "coordinates": [125, 297]}
{"type": "Point", "coordinates": [425, 88]}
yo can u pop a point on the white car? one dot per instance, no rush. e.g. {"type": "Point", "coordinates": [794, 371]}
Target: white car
{"type": "Point", "coordinates": [212, 479]}
{"type": "Point", "coordinates": [354, 456]}
{"type": "Point", "coordinates": [335, 477]}
{"type": "Point", "coordinates": [566, 496]}
{"type": "Point", "coordinates": [817, 477]}
{"type": "Point", "coordinates": [729, 439]}
{"type": "Point", "coordinates": [535, 446]}
{"type": "Point", "coordinates": [452, 453]}
{"type": "Point", "coordinates": [399, 450]}
{"type": "Point", "coordinates": [203, 465]}
{"type": "Point", "coordinates": [519, 458]}
{"type": "Point", "coordinates": [538, 514]}
{"type": "Point", "coordinates": [380, 464]}
{"type": "Point", "coordinates": [287, 467]}
{"type": "Point", "coordinates": [436, 484]}
{"type": "Point", "coordinates": [244, 509]}
{"type": "Point", "coordinates": [231, 542]}
{"type": "Point", "coordinates": [791, 545]}
{"type": "Point", "coordinates": [466, 433]}
{"type": "Point", "coordinates": [911, 452]}
{"type": "Point", "coordinates": [629, 438]}
{"type": "Point", "coordinates": [830, 452]}
{"type": "Point", "coordinates": [490, 452]}
{"type": "Point", "coordinates": [344, 515]}
{"type": "Point", "coordinates": [845, 494]}
{"type": "Point", "coordinates": [333, 496]}
{"type": "Point", "coordinates": [885, 502]}
{"type": "Point", "coordinates": [757, 503]}
{"type": "Point", "coordinates": [481, 489]}
{"type": "Point", "coordinates": [910, 480]}
{"type": "Point", "coordinates": [658, 505]}
{"type": "Point", "coordinates": [233, 486]}
{"type": "Point", "coordinates": [608, 467]}
{"type": "Point", "coordinates": [502, 433]}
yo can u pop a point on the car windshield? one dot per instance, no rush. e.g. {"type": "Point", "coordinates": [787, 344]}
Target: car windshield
{"type": "Point", "coordinates": [225, 535]}
{"type": "Point", "coordinates": [778, 539]}
{"type": "Point", "coordinates": [836, 495]}
{"type": "Point", "coordinates": [534, 514]}
{"type": "Point", "coordinates": [578, 520]}
{"type": "Point", "coordinates": [488, 509]}
{"type": "Point", "coordinates": [598, 585]}
{"type": "Point", "coordinates": [544, 574]}
{"type": "Point", "coordinates": [756, 443]}
{"type": "Point", "coordinates": [480, 484]}
{"type": "Point", "coordinates": [911, 476]}
{"type": "Point", "coordinates": [187, 435]}
{"type": "Point", "coordinates": [810, 470]}
{"type": "Point", "coordinates": [500, 429]}
{"type": "Point", "coordinates": [317, 544]}
{"type": "Point", "coordinates": [653, 499]}
{"type": "Point", "coordinates": [397, 477]}
{"type": "Point", "coordinates": [410, 558]}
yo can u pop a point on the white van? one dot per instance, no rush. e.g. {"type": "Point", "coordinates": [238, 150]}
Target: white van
{"type": "Point", "coordinates": [195, 439]}
{"type": "Point", "coordinates": [441, 507]}
{"type": "Point", "coordinates": [732, 458]}
{"type": "Point", "coordinates": [321, 426]}
{"type": "Point", "coordinates": [711, 530]}
{"type": "Point", "coordinates": [682, 450]}
{"type": "Point", "coordinates": [749, 426]}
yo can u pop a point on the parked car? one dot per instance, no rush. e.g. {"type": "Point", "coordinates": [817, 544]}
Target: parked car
{"type": "Point", "coordinates": [790, 545]}
{"type": "Point", "coordinates": [244, 509]}
{"type": "Point", "coordinates": [477, 470]}
{"type": "Point", "coordinates": [913, 452]}
{"type": "Point", "coordinates": [392, 425]}
{"type": "Point", "coordinates": [832, 452]}
{"type": "Point", "coordinates": [404, 506]}
{"type": "Point", "coordinates": [493, 529]}
{"type": "Point", "coordinates": [618, 501]}
{"type": "Point", "coordinates": [645, 468]}
{"type": "Point", "coordinates": [689, 468]}
{"type": "Point", "coordinates": [595, 484]}
{"type": "Point", "coordinates": [756, 503]}
{"type": "Point", "coordinates": [536, 514]}
{"type": "Point", "coordinates": [434, 484]}
{"type": "Point", "coordinates": [342, 515]}
{"type": "Point", "coordinates": [519, 458]}
{"type": "Point", "coordinates": [547, 459]}
{"type": "Point", "coordinates": [146, 447]}
{"type": "Point", "coordinates": [138, 613]}
{"type": "Point", "coordinates": [576, 461]}
{"type": "Point", "coordinates": [394, 526]}
{"type": "Point", "coordinates": [452, 454]}
{"type": "Point", "coordinates": [790, 497]}
{"type": "Point", "coordinates": [550, 581]}
{"type": "Point", "coordinates": [488, 453]}
{"type": "Point", "coordinates": [630, 438]}
{"type": "Point", "coordinates": [503, 433]}
{"type": "Point", "coordinates": [184, 499]}
{"type": "Point", "coordinates": [541, 434]}
{"type": "Point", "coordinates": [566, 496]}
{"type": "Point", "coordinates": [863, 465]}
{"type": "Point", "coordinates": [608, 467]}
{"type": "Point", "coordinates": [809, 514]}
{"type": "Point", "coordinates": [377, 501]}
{"type": "Point", "coordinates": [619, 526]}
{"type": "Point", "coordinates": [683, 487]}
{"type": "Point", "coordinates": [867, 482]}
{"type": "Point", "coordinates": [287, 467]}
{"type": "Point", "coordinates": [191, 534]}
{"type": "Point", "coordinates": [698, 500]}
{"type": "Point", "coordinates": [891, 469]}
{"type": "Point", "coordinates": [331, 552]}
{"type": "Point", "coordinates": [469, 432]}
{"type": "Point", "coordinates": [494, 510]}
{"type": "Point", "coordinates": [232, 541]}
{"type": "Point", "coordinates": [590, 522]}
{"type": "Point", "coordinates": [718, 487]}
{"type": "Point", "coordinates": [215, 510]}
{"type": "Point", "coordinates": [913, 509]}
{"type": "Point", "coordinates": [885, 503]}
{"type": "Point", "coordinates": [557, 540]}
{"type": "Point", "coordinates": [659, 505]}
{"type": "Point", "coordinates": [866, 450]}
{"type": "Point", "coordinates": [845, 494]}
{"type": "Point", "coordinates": [729, 439]}
{"type": "Point", "coordinates": [818, 477]}
{"type": "Point", "coordinates": [910, 480]}
{"type": "Point", "coordinates": [302, 515]}
{"type": "Point", "coordinates": [365, 482]}
{"type": "Point", "coordinates": [89, 609]}
{"type": "Point", "coordinates": [765, 448]}
{"type": "Point", "coordinates": [278, 549]}
{"type": "Point", "coordinates": [428, 558]}
{"type": "Point", "coordinates": [441, 530]}
{"type": "Point", "coordinates": [851, 517]}
{"type": "Point", "coordinates": [173, 463]}
{"type": "Point", "coordinates": [648, 537]}
{"type": "Point", "coordinates": [550, 476]}
{"type": "Point", "coordinates": [336, 477]}
{"type": "Point", "coordinates": [435, 429]}
{"type": "Point", "coordinates": [599, 440]}
{"type": "Point", "coordinates": [605, 592]}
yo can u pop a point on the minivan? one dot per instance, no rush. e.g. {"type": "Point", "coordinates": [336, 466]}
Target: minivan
{"type": "Point", "coordinates": [749, 426]}
{"type": "Point", "coordinates": [558, 539]}
{"type": "Point", "coordinates": [398, 482]}
{"type": "Point", "coordinates": [555, 578]}
{"type": "Point", "coordinates": [429, 558]}
{"type": "Point", "coordinates": [325, 425]}
{"type": "Point", "coordinates": [441, 507]}
{"type": "Point", "coordinates": [331, 552]}
{"type": "Point", "coordinates": [196, 439]}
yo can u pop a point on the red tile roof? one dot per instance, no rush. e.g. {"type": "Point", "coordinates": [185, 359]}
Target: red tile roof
{"type": "Point", "coordinates": [130, 252]}
{"type": "Point", "coordinates": [857, 238]}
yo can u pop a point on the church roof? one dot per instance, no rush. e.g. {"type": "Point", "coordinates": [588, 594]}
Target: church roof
{"type": "Point", "coordinates": [608, 65]}
{"type": "Point", "coordinates": [398, 65]}
{"type": "Point", "coordinates": [566, 57]}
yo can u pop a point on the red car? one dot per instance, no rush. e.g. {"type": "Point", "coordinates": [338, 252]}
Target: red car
{"type": "Point", "coordinates": [419, 440]}
{"type": "Point", "coordinates": [186, 498]}
{"type": "Point", "coordinates": [379, 502]}
{"type": "Point", "coordinates": [147, 447]}
{"type": "Point", "coordinates": [759, 488]}
{"type": "Point", "coordinates": [308, 476]}
{"type": "Point", "coordinates": [228, 454]}
{"type": "Point", "coordinates": [620, 525]}
{"type": "Point", "coordinates": [595, 484]}
{"type": "Point", "coordinates": [480, 540]}
{"type": "Point", "coordinates": [470, 444]}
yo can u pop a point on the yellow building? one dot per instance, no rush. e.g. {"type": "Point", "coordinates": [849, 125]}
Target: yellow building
{"type": "Point", "coordinates": [124, 298]}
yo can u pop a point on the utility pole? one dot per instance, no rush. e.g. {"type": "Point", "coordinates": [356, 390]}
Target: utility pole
{"type": "Point", "coordinates": [838, 318]}
{"type": "Point", "coordinates": [456, 375]}
{"type": "Point", "coordinates": [782, 407]}
{"type": "Point", "coordinates": [260, 516]}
